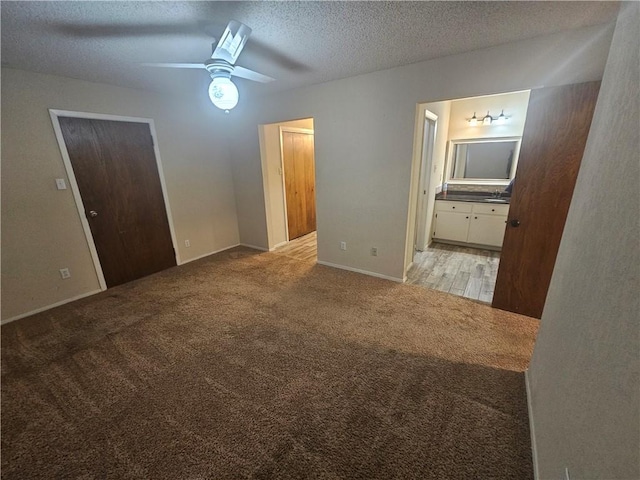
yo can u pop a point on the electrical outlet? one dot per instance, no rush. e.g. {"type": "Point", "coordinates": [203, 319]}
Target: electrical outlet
{"type": "Point", "coordinates": [61, 184]}
{"type": "Point", "coordinates": [343, 245]}
{"type": "Point", "coordinates": [65, 273]}
{"type": "Point", "coordinates": [374, 251]}
{"type": "Point", "coordinates": [187, 243]}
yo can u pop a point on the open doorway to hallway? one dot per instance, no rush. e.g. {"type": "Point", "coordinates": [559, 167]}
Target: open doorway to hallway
{"type": "Point", "coordinates": [288, 169]}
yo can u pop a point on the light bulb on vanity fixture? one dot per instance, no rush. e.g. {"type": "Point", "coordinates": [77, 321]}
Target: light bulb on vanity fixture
{"type": "Point", "coordinates": [473, 121]}
{"type": "Point", "coordinates": [501, 120]}
{"type": "Point", "coordinates": [487, 119]}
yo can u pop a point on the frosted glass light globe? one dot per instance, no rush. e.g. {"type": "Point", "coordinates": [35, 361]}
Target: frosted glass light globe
{"type": "Point", "coordinates": [223, 93]}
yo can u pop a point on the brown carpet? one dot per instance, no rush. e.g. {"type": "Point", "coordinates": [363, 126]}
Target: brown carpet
{"type": "Point", "coordinates": [252, 365]}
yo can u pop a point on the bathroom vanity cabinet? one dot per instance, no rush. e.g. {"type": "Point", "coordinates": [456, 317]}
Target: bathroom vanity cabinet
{"type": "Point", "coordinates": [474, 223]}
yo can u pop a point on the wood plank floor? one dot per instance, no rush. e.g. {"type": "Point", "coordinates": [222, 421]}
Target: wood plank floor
{"type": "Point", "coordinates": [463, 271]}
{"type": "Point", "coordinates": [303, 248]}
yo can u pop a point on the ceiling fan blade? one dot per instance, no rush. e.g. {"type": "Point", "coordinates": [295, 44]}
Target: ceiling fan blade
{"type": "Point", "coordinates": [251, 75]}
{"type": "Point", "coordinates": [231, 42]}
{"type": "Point", "coordinates": [174, 65]}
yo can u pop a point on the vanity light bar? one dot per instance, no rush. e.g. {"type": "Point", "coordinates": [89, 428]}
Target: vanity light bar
{"type": "Point", "coordinates": [488, 119]}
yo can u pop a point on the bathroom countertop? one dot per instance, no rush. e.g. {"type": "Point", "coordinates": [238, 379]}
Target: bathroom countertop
{"type": "Point", "coordinates": [479, 197]}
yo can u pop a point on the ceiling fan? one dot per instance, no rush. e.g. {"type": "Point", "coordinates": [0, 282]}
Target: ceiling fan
{"type": "Point", "coordinates": [221, 66]}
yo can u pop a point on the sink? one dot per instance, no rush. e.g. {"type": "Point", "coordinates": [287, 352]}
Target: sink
{"type": "Point", "coordinates": [495, 200]}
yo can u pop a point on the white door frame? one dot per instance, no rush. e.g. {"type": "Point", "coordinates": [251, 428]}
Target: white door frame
{"type": "Point", "coordinates": [428, 144]}
{"type": "Point", "coordinates": [73, 184]}
{"type": "Point", "coordinates": [414, 185]}
{"type": "Point", "coordinates": [306, 131]}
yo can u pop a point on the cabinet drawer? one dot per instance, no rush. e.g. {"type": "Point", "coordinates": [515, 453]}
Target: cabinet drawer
{"type": "Point", "coordinates": [488, 209]}
{"type": "Point", "coordinates": [445, 206]}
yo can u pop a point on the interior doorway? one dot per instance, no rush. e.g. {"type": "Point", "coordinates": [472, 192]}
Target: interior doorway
{"type": "Point", "coordinates": [287, 151]}
{"type": "Point", "coordinates": [515, 201]}
{"type": "Point", "coordinates": [455, 247]}
{"type": "Point", "coordinates": [116, 179]}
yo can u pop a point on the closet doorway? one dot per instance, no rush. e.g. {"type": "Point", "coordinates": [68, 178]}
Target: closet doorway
{"type": "Point", "coordinates": [288, 167]}
{"type": "Point", "coordinates": [116, 178]}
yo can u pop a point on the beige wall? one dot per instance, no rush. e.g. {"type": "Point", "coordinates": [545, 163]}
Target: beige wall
{"type": "Point", "coordinates": [41, 229]}
{"type": "Point", "coordinates": [364, 132]}
{"type": "Point", "coordinates": [515, 108]}
{"type": "Point", "coordinates": [270, 154]}
{"type": "Point", "coordinates": [585, 372]}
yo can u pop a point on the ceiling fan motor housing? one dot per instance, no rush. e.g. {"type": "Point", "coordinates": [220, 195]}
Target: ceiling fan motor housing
{"type": "Point", "coordinates": [218, 68]}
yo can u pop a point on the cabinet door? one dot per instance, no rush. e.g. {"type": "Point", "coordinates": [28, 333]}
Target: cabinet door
{"type": "Point", "coordinates": [451, 226]}
{"type": "Point", "coordinates": [487, 229]}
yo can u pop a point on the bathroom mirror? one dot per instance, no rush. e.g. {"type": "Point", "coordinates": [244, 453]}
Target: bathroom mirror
{"type": "Point", "coordinates": [483, 161]}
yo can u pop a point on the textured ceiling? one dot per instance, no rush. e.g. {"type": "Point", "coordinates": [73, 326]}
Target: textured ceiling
{"type": "Point", "coordinates": [298, 43]}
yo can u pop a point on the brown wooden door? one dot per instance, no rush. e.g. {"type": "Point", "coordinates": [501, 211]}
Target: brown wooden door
{"type": "Point", "coordinates": [299, 179]}
{"type": "Point", "coordinates": [555, 133]}
{"type": "Point", "coordinates": [115, 167]}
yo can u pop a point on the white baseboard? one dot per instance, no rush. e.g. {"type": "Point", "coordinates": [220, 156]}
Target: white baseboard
{"type": "Point", "coordinates": [357, 270]}
{"type": "Point", "coordinates": [49, 307]}
{"type": "Point", "coordinates": [255, 247]}
{"type": "Point", "coordinates": [207, 254]}
{"type": "Point", "coordinates": [532, 430]}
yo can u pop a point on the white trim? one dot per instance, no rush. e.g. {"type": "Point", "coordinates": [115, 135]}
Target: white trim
{"type": "Point", "coordinates": [264, 164]}
{"type": "Point", "coordinates": [284, 187]}
{"type": "Point", "coordinates": [424, 180]}
{"type": "Point", "coordinates": [165, 194]}
{"type": "Point", "coordinates": [365, 272]}
{"type": "Point", "coordinates": [404, 279]}
{"type": "Point", "coordinates": [55, 114]}
{"type": "Point", "coordinates": [255, 247]}
{"type": "Point", "coordinates": [532, 430]}
{"type": "Point", "coordinates": [430, 115]}
{"type": "Point", "coordinates": [307, 131]}
{"type": "Point", "coordinates": [184, 262]}
{"type": "Point", "coordinates": [422, 114]}
{"type": "Point", "coordinates": [278, 246]}
{"type": "Point", "coordinates": [49, 307]}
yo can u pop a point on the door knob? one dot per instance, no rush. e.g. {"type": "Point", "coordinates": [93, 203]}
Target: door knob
{"type": "Point", "coordinates": [93, 213]}
{"type": "Point", "coordinates": [514, 223]}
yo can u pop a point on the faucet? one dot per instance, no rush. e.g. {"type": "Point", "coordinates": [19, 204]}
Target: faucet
{"type": "Point", "coordinates": [496, 194]}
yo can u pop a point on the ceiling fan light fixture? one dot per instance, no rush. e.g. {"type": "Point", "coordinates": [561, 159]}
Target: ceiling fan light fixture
{"type": "Point", "coordinates": [223, 93]}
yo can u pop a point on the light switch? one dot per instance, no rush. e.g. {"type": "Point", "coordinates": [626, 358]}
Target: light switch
{"type": "Point", "coordinates": [61, 184]}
